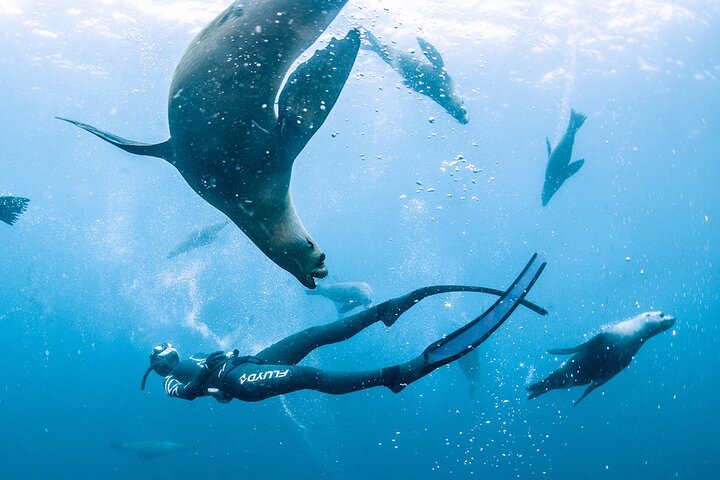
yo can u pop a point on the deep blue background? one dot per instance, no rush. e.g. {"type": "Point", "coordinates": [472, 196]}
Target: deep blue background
{"type": "Point", "coordinates": [85, 288]}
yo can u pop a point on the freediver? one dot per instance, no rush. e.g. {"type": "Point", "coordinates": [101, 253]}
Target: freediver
{"type": "Point", "coordinates": [275, 370]}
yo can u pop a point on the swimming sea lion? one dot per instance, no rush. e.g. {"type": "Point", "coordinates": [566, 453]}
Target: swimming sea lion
{"type": "Point", "coordinates": [11, 208]}
{"type": "Point", "coordinates": [425, 74]}
{"type": "Point", "coordinates": [150, 448]}
{"type": "Point", "coordinates": [225, 137]}
{"type": "Point", "coordinates": [559, 167]}
{"type": "Point", "coordinates": [346, 295]}
{"type": "Point", "coordinates": [603, 356]}
{"type": "Point", "coordinates": [198, 238]}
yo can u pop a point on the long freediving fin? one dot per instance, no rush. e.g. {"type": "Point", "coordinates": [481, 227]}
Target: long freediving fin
{"type": "Point", "coordinates": [160, 150]}
{"type": "Point", "coordinates": [466, 338]}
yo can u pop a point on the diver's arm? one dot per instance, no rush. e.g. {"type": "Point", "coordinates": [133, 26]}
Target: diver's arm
{"type": "Point", "coordinates": [197, 386]}
{"type": "Point", "coordinates": [188, 391]}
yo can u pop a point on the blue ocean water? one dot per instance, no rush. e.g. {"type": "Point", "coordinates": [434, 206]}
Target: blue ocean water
{"type": "Point", "coordinates": [398, 195]}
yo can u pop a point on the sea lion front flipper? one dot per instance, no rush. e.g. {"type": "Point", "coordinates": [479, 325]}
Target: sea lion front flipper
{"type": "Point", "coordinates": [11, 208]}
{"type": "Point", "coordinates": [314, 87]}
{"type": "Point", "coordinates": [576, 349]}
{"type": "Point", "coordinates": [431, 53]}
{"type": "Point", "coordinates": [343, 308]}
{"type": "Point", "coordinates": [595, 384]}
{"type": "Point", "coordinates": [549, 147]}
{"type": "Point", "coordinates": [160, 150]}
{"type": "Point", "coordinates": [573, 168]}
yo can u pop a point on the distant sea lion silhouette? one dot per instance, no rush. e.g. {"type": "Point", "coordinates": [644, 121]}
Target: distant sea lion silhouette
{"type": "Point", "coordinates": [603, 356]}
{"type": "Point", "coordinates": [425, 74]}
{"type": "Point", "coordinates": [150, 448]}
{"type": "Point", "coordinates": [559, 167]}
{"type": "Point", "coordinates": [225, 137]}
{"type": "Point", "coordinates": [198, 238]}
{"type": "Point", "coordinates": [11, 208]}
{"type": "Point", "coordinates": [346, 295]}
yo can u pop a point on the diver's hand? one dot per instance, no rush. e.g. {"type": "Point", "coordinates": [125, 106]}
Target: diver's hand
{"type": "Point", "coordinates": [215, 360]}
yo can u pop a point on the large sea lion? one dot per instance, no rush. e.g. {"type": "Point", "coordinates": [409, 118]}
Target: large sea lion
{"type": "Point", "coordinates": [426, 74]}
{"type": "Point", "coordinates": [559, 167]}
{"type": "Point", "coordinates": [603, 356]}
{"type": "Point", "coordinates": [11, 208]}
{"type": "Point", "coordinates": [226, 139]}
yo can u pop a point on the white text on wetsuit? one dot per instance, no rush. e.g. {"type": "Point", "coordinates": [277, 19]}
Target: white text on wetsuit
{"type": "Point", "coordinates": [254, 377]}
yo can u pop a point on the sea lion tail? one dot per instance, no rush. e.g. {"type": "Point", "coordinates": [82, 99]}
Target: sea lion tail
{"type": "Point", "coordinates": [11, 208]}
{"type": "Point", "coordinates": [576, 120]}
{"type": "Point", "coordinates": [537, 389]}
{"type": "Point", "coordinates": [160, 150]}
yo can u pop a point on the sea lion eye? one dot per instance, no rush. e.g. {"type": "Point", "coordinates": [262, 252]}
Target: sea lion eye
{"type": "Point", "coordinates": [311, 244]}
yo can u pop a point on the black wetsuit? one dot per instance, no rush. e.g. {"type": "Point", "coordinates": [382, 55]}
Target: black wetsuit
{"type": "Point", "coordinates": [275, 370]}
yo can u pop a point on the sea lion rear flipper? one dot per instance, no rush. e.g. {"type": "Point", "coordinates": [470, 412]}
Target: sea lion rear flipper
{"type": "Point", "coordinates": [160, 150]}
{"type": "Point", "coordinates": [314, 87]}
{"type": "Point", "coordinates": [595, 384]}
{"type": "Point", "coordinates": [431, 53]}
{"type": "Point", "coordinates": [11, 208]}
{"type": "Point", "coordinates": [549, 148]}
{"type": "Point", "coordinates": [573, 168]}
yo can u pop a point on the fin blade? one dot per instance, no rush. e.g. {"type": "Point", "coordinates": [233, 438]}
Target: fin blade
{"type": "Point", "coordinates": [431, 53]}
{"type": "Point", "coordinates": [313, 88]}
{"type": "Point", "coordinates": [11, 208]}
{"type": "Point", "coordinates": [160, 150]}
{"type": "Point", "coordinates": [466, 338]}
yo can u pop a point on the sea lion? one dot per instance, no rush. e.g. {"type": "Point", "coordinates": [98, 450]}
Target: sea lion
{"type": "Point", "coordinates": [425, 74]}
{"type": "Point", "coordinates": [11, 208]}
{"type": "Point", "coordinates": [198, 238]}
{"type": "Point", "coordinates": [346, 295]}
{"type": "Point", "coordinates": [603, 356]}
{"type": "Point", "coordinates": [225, 137]}
{"type": "Point", "coordinates": [559, 167]}
{"type": "Point", "coordinates": [150, 448]}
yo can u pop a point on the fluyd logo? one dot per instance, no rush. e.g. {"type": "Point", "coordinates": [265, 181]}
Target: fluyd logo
{"type": "Point", "coordinates": [270, 374]}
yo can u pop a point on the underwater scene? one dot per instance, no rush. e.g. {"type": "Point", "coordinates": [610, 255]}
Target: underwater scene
{"type": "Point", "coordinates": [359, 239]}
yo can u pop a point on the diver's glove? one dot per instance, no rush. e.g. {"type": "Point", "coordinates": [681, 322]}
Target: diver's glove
{"type": "Point", "coordinates": [215, 360]}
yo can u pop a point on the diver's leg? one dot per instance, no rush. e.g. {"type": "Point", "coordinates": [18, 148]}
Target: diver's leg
{"type": "Point", "coordinates": [294, 348]}
{"type": "Point", "coordinates": [253, 382]}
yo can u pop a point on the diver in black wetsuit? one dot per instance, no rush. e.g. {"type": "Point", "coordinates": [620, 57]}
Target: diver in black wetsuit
{"type": "Point", "coordinates": [275, 370]}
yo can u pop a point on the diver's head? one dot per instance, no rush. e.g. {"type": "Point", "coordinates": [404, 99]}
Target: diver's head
{"type": "Point", "coordinates": [163, 358]}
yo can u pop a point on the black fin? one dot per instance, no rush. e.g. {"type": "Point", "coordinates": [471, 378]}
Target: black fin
{"type": "Point", "coordinates": [466, 338]}
{"type": "Point", "coordinates": [313, 88]}
{"type": "Point", "coordinates": [160, 150]}
{"type": "Point", "coordinates": [11, 208]}
{"type": "Point", "coordinates": [431, 53]}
